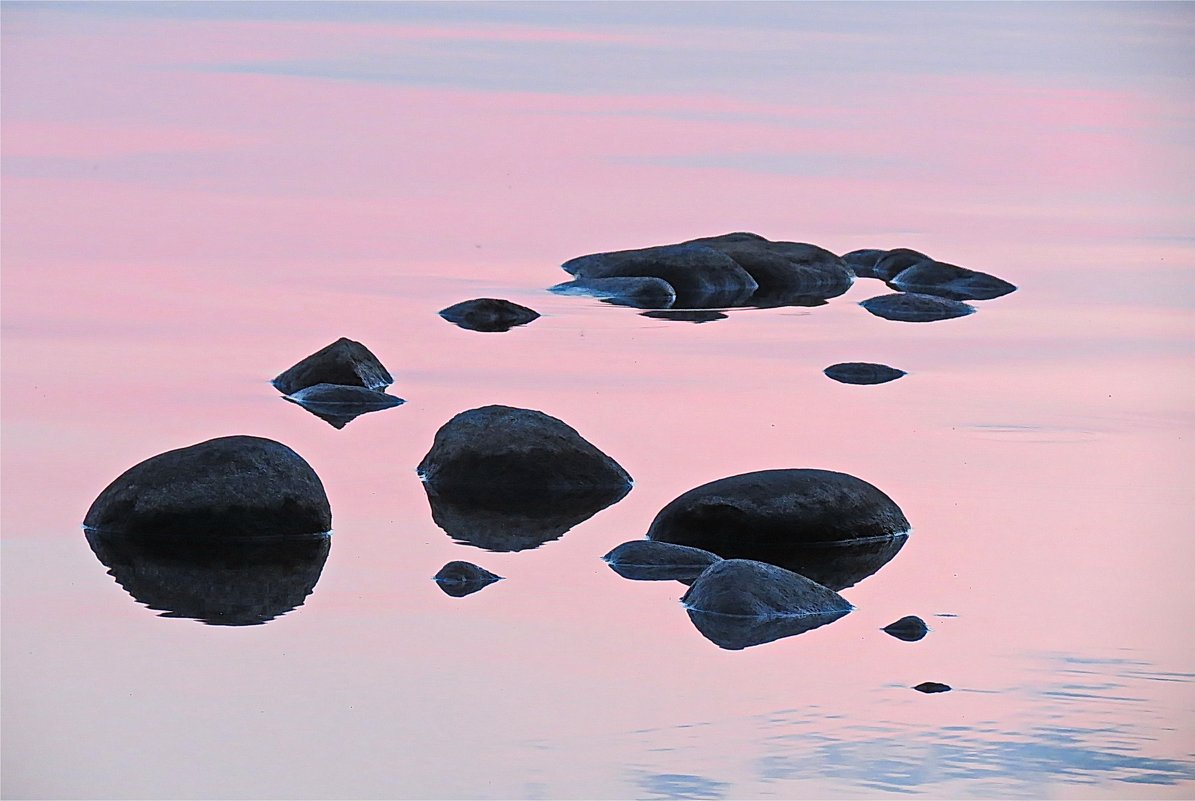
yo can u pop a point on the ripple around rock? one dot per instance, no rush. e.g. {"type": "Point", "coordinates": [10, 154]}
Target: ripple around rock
{"type": "Point", "coordinates": [909, 628]}
{"type": "Point", "coordinates": [647, 560]}
{"type": "Point", "coordinates": [345, 362]}
{"type": "Point", "coordinates": [911, 307]}
{"type": "Point", "coordinates": [950, 281]}
{"type": "Point", "coordinates": [863, 373]}
{"type": "Point", "coordinates": [492, 315]}
{"type": "Point", "coordinates": [459, 579]}
{"type": "Point", "coordinates": [339, 405]}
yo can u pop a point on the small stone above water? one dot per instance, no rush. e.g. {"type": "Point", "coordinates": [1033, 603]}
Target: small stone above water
{"type": "Point", "coordinates": [863, 373]}
{"type": "Point", "coordinates": [911, 307]}
{"type": "Point", "coordinates": [459, 579]}
{"type": "Point", "coordinates": [345, 362]}
{"type": "Point", "coordinates": [932, 687]}
{"type": "Point", "coordinates": [950, 281]}
{"type": "Point", "coordinates": [647, 560]}
{"type": "Point", "coordinates": [488, 314]}
{"type": "Point", "coordinates": [910, 629]}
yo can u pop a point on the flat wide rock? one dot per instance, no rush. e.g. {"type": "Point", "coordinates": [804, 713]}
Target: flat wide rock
{"type": "Point", "coordinates": [912, 307]}
{"type": "Point", "coordinates": [345, 361]}
{"type": "Point", "coordinates": [862, 373]}
{"type": "Point", "coordinates": [950, 281]}
{"type": "Point", "coordinates": [488, 314]}
{"type": "Point", "coordinates": [648, 560]}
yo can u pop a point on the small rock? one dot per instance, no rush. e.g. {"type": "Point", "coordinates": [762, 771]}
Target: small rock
{"type": "Point", "coordinates": [932, 687]}
{"type": "Point", "coordinates": [488, 314]}
{"type": "Point", "coordinates": [910, 307]}
{"type": "Point", "coordinates": [887, 266]}
{"type": "Point", "coordinates": [647, 560]}
{"type": "Point", "coordinates": [343, 362]}
{"type": "Point", "coordinates": [863, 373]}
{"type": "Point", "coordinates": [686, 315]}
{"type": "Point", "coordinates": [950, 281]}
{"type": "Point", "coordinates": [909, 629]}
{"type": "Point", "coordinates": [459, 579]}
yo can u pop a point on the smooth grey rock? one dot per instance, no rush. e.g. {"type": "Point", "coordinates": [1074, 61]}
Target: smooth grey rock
{"type": "Point", "coordinates": [789, 268]}
{"type": "Point", "coordinates": [702, 277]}
{"type": "Point", "coordinates": [647, 560]}
{"type": "Point", "coordinates": [950, 281]}
{"type": "Point", "coordinates": [497, 456]}
{"type": "Point", "coordinates": [887, 266]}
{"type": "Point", "coordinates": [217, 580]}
{"type": "Point", "coordinates": [639, 293]}
{"type": "Point", "coordinates": [459, 579]}
{"type": "Point", "coordinates": [339, 405]}
{"type": "Point", "coordinates": [911, 307]}
{"type": "Point", "coordinates": [343, 362]}
{"type": "Point", "coordinates": [932, 687]}
{"type": "Point", "coordinates": [226, 487]}
{"type": "Point", "coordinates": [909, 628]}
{"type": "Point", "coordinates": [862, 373]}
{"type": "Point", "coordinates": [488, 314]}
{"type": "Point", "coordinates": [863, 262]}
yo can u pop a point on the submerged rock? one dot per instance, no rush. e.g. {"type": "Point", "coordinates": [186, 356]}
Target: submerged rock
{"type": "Point", "coordinates": [909, 628]}
{"type": "Point", "coordinates": [863, 373]}
{"type": "Point", "coordinates": [647, 560]}
{"type": "Point", "coordinates": [887, 266]}
{"type": "Point", "coordinates": [910, 307]}
{"type": "Point", "coordinates": [488, 314]}
{"type": "Point", "coordinates": [339, 405]}
{"type": "Point", "coordinates": [702, 276]}
{"type": "Point", "coordinates": [932, 687]}
{"type": "Point", "coordinates": [686, 315]}
{"type": "Point", "coordinates": [863, 262]}
{"type": "Point", "coordinates": [459, 579]}
{"type": "Point", "coordinates": [218, 580]}
{"type": "Point", "coordinates": [343, 362]}
{"type": "Point", "coordinates": [950, 281]}
{"type": "Point", "coordinates": [639, 293]}
{"type": "Point", "coordinates": [227, 487]}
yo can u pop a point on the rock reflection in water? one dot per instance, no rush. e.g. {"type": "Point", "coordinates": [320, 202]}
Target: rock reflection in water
{"type": "Point", "coordinates": [840, 566]}
{"type": "Point", "coordinates": [340, 405]}
{"type": "Point", "coordinates": [736, 632]}
{"type": "Point", "coordinates": [221, 581]}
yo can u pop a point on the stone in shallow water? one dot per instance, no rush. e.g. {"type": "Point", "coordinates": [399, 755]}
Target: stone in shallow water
{"type": "Point", "coordinates": [863, 262]}
{"type": "Point", "coordinates": [932, 687]}
{"type": "Point", "coordinates": [343, 362]}
{"type": "Point", "coordinates": [339, 405]}
{"type": "Point", "coordinates": [702, 277]}
{"type": "Point", "coordinates": [226, 487]}
{"type": "Point", "coordinates": [639, 293]}
{"type": "Point", "coordinates": [459, 579]}
{"type": "Point", "coordinates": [794, 269]}
{"type": "Point", "coordinates": [911, 307]}
{"type": "Point", "coordinates": [647, 560]}
{"type": "Point", "coordinates": [863, 373]}
{"type": "Point", "coordinates": [887, 266]}
{"type": "Point", "coordinates": [950, 281]}
{"type": "Point", "coordinates": [488, 314]}
{"type": "Point", "coordinates": [686, 315]}
{"type": "Point", "coordinates": [909, 628]}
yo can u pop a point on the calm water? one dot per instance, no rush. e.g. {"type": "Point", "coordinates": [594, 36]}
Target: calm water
{"type": "Point", "coordinates": [197, 196]}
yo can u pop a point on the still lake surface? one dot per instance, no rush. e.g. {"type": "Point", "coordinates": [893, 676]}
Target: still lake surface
{"type": "Point", "coordinates": [197, 196]}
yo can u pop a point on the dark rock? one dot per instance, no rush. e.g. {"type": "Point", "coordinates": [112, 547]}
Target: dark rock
{"type": "Point", "coordinates": [909, 307]}
{"type": "Point", "coordinates": [702, 276]}
{"type": "Point", "coordinates": [932, 687]}
{"type": "Point", "coordinates": [686, 315]}
{"type": "Point", "coordinates": [950, 281]}
{"type": "Point", "coordinates": [647, 560]}
{"type": "Point", "coordinates": [226, 487]}
{"type": "Point", "coordinates": [777, 298]}
{"type": "Point", "coordinates": [887, 266]}
{"type": "Point", "coordinates": [910, 628]}
{"type": "Point", "coordinates": [863, 262]}
{"type": "Point", "coordinates": [863, 373]}
{"type": "Point", "coordinates": [488, 314]}
{"type": "Point", "coordinates": [792, 268]}
{"type": "Point", "coordinates": [639, 293]}
{"type": "Point", "coordinates": [343, 362]}
{"type": "Point", "coordinates": [502, 457]}
{"type": "Point", "coordinates": [218, 580]}
{"type": "Point", "coordinates": [339, 405]}
{"type": "Point", "coordinates": [459, 579]}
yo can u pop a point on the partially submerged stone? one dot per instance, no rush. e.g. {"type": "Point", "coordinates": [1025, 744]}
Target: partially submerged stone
{"type": "Point", "coordinates": [227, 487]}
{"type": "Point", "coordinates": [932, 687]}
{"type": "Point", "coordinates": [339, 404]}
{"type": "Point", "coordinates": [792, 268]}
{"type": "Point", "coordinates": [950, 281]}
{"type": "Point", "coordinates": [702, 276]}
{"type": "Point", "coordinates": [911, 307]}
{"type": "Point", "coordinates": [345, 362]}
{"type": "Point", "coordinates": [863, 262]}
{"type": "Point", "coordinates": [909, 628]}
{"type": "Point", "coordinates": [459, 579]}
{"type": "Point", "coordinates": [894, 261]}
{"type": "Point", "coordinates": [862, 373]}
{"type": "Point", "coordinates": [647, 560]}
{"type": "Point", "coordinates": [488, 314]}
{"type": "Point", "coordinates": [636, 292]}
{"type": "Point", "coordinates": [696, 316]}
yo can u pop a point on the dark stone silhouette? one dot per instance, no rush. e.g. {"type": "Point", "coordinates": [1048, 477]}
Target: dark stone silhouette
{"type": "Point", "coordinates": [343, 362]}
{"type": "Point", "coordinates": [737, 603]}
{"type": "Point", "coordinates": [647, 560]}
{"type": "Point", "coordinates": [639, 293]}
{"type": "Point", "coordinates": [950, 281]}
{"type": "Point", "coordinates": [339, 405]}
{"type": "Point", "coordinates": [932, 687]}
{"type": "Point", "coordinates": [488, 314]}
{"type": "Point", "coordinates": [910, 307]}
{"type": "Point", "coordinates": [910, 628]}
{"type": "Point", "coordinates": [887, 266]}
{"type": "Point", "coordinates": [501, 457]}
{"type": "Point", "coordinates": [863, 262]}
{"type": "Point", "coordinates": [219, 580]}
{"type": "Point", "coordinates": [686, 315]}
{"type": "Point", "coordinates": [459, 579]}
{"type": "Point", "coordinates": [226, 487]}
{"type": "Point", "coordinates": [789, 268]}
{"type": "Point", "coordinates": [863, 373]}
{"type": "Point", "coordinates": [702, 276]}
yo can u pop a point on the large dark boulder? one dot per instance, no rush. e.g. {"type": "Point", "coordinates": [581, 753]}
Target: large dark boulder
{"type": "Point", "coordinates": [862, 373]}
{"type": "Point", "coordinates": [648, 560]}
{"type": "Point", "coordinates": [339, 404]}
{"type": "Point", "coordinates": [226, 487]}
{"type": "Point", "coordinates": [488, 314]}
{"type": "Point", "coordinates": [638, 292]}
{"type": "Point", "coordinates": [894, 261]}
{"type": "Point", "coordinates": [950, 281]}
{"type": "Point", "coordinates": [784, 268]}
{"type": "Point", "coordinates": [343, 362]}
{"type": "Point", "coordinates": [218, 580]}
{"type": "Point", "coordinates": [912, 307]}
{"type": "Point", "coordinates": [459, 579]}
{"type": "Point", "coordinates": [702, 276]}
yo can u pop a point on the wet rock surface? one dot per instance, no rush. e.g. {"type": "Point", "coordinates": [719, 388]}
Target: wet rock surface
{"type": "Point", "coordinates": [339, 404]}
{"type": "Point", "coordinates": [459, 579]}
{"type": "Point", "coordinates": [863, 373]}
{"type": "Point", "coordinates": [950, 281]}
{"type": "Point", "coordinates": [909, 628]}
{"type": "Point", "coordinates": [491, 315]}
{"type": "Point", "coordinates": [911, 307]}
{"type": "Point", "coordinates": [345, 362]}
{"type": "Point", "coordinates": [228, 487]}
{"type": "Point", "coordinates": [647, 560]}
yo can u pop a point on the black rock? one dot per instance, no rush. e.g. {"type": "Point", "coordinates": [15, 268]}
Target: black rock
{"type": "Point", "coordinates": [950, 281]}
{"type": "Point", "coordinates": [488, 314]}
{"type": "Point", "coordinates": [219, 580]}
{"type": "Point", "coordinates": [639, 293]}
{"type": "Point", "coordinates": [343, 362]}
{"type": "Point", "coordinates": [702, 277]}
{"type": "Point", "coordinates": [502, 457]}
{"type": "Point", "coordinates": [887, 266]}
{"type": "Point", "coordinates": [226, 487]}
{"type": "Point", "coordinates": [647, 560]}
{"type": "Point", "coordinates": [790, 268]}
{"type": "Point", "coordinates": [910, 628]}
{"type": "Point", "coordinates": [863, 262]}
{"type": "Point", "coordinates": [339, 405]}
{"type": "Point", "coordinates": [863, 373]}
{"type": "Point", "coordinates": [459, 579]}
{"type": "Point", "coordinates": [932, 687]}
{"type": "Point", "coordinates": [685, 315]}
{"type": "Point", "coordinates": [910, 307]}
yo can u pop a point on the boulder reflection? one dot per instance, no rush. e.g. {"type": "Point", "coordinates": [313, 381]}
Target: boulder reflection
{"type": "Point", "coordinates": [220, 581]}
{"type": "Point", "coordinates": [736, 632]}
{"type": "Point", "coordinates": [840, 566]}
